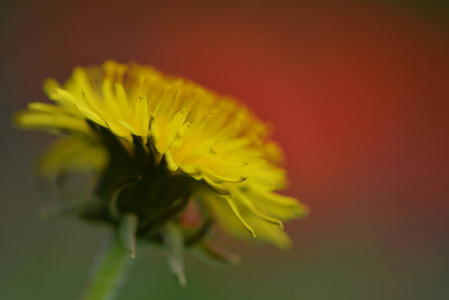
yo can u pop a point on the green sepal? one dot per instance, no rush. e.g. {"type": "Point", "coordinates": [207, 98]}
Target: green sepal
{"type": "Point", "coordinates": [86, 209]}
{"type": "Point", "coordinates": [120, 164]}
{"type": "Point", "coordinates": [114, 209]}
{"type": "Point", "coordinates": [66, 208]}
{"type": "Point", "coordinates": [127, 232]}
{"type": "Point", "coordinates": [156, 190]}
{"type": "Point", "coordinates": [161, 217]}
{"type": "Point", "coordinates": [199, 234]}
{"type": "Point", "coordinates": [213, 255]}
{"type": "Point", "coordinates": [174, 245]}
{"type": "Point", "coordinates": [140, 153]}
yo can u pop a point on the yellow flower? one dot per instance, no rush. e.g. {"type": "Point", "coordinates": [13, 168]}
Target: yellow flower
{"type": "Point", "coordinates": [154, 139]}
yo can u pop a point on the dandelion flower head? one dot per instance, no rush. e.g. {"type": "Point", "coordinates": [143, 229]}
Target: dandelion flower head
{"type": "Point", "coordinates": [160, 145]}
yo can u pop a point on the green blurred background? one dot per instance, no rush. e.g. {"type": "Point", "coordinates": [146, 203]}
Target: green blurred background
{"type": "Point", "coordinates": [357, 91]}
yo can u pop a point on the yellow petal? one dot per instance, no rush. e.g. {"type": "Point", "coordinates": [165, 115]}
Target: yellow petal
{"type": "Point", "coordinates": [226, 218]}
{"type": "Point", "coordinates": [48, 121]}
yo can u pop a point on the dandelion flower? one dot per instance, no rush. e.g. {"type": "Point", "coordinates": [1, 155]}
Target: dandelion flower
{"type": "Point", "coordinates": [162, 147]}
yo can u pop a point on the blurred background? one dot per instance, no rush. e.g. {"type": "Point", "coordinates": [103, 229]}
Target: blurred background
{"type": "Point", "coordinates": [357, 92]}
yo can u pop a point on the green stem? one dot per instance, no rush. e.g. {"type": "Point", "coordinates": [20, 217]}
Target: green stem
{"type": "Point", "coordinates": [110, 269]}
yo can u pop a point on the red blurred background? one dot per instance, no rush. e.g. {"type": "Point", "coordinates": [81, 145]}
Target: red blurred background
{"type": "Point", "coordinates": [357, 92]}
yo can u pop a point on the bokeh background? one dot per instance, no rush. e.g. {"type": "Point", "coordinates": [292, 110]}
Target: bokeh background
{"type": "Point", "coordinates": [358, 94]}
